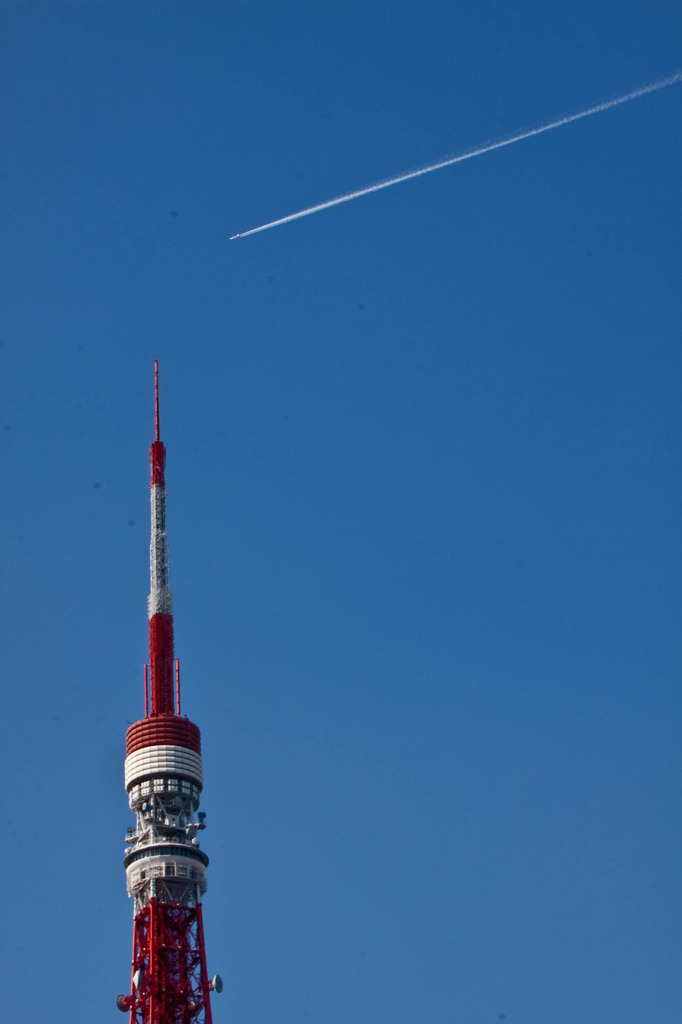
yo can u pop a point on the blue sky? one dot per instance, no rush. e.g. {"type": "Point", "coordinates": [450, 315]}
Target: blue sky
{"type": "Point", "coordinates": [424, 495]}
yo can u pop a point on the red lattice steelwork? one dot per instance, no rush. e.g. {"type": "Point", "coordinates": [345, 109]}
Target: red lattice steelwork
{"type": "Point", "coordinates": [170, 984]}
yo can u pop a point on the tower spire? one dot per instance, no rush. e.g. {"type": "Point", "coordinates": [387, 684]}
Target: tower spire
{"type": "Point", "coordinates": [160, 604]}
{"type": "Point", "coordinates": [157, 436]}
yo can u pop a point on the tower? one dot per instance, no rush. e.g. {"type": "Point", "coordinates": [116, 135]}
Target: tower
{"type": "Point", "coordinates": [165, 866]}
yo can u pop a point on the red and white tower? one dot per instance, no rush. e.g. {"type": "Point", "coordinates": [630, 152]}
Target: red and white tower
{"type": "Point", "coordinates": [165, 867]}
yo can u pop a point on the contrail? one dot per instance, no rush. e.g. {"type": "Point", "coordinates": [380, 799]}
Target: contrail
{"type": "Point", "coordinates": [467, 154]}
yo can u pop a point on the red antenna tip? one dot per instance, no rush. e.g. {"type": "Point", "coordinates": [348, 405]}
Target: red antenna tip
{"type": "Point", "coordinates": [156, 401]}
{"type": "Point", "coordinates": [157, 452]}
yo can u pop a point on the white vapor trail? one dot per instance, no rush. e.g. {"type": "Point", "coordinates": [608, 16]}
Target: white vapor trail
{"type": "Point", "coordinates": [467, 154]}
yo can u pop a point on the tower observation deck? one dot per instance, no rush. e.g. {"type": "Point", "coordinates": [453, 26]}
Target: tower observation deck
{"type": "Point", "coordinates": [164, 863]}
